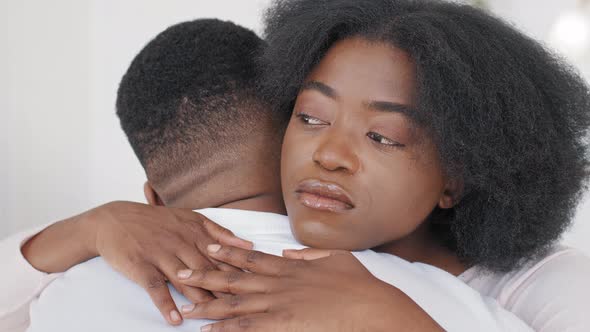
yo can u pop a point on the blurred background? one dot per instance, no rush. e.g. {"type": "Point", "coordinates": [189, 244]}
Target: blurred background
{"type": "Point", "coordinates": [62, 149]}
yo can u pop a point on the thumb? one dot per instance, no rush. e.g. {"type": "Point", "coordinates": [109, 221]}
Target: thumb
{"type": "Point", "coordinates": [309, 254]}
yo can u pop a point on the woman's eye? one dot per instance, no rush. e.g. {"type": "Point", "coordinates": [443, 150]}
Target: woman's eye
{"type": "Point", "coordinates": [383, 140]}
{"type": "Point", "coordinates": [310, 120]}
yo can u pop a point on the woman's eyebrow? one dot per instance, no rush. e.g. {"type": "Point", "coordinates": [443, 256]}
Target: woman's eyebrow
{"type": "Point", "coordinates": [380, 106]}
{"type": "Point", "coordinates": [322, 88]}
{"type": "Point", "coordinates": [387, 106]}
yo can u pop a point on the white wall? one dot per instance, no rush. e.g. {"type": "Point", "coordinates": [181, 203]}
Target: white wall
{"type": "Point", "coordinates": [60, 63]}
{"type": "Point", "coordinates": [44, 94]}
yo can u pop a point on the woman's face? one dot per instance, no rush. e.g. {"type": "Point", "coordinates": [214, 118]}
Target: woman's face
{"type": "Point", "coordinates": [355, 172]}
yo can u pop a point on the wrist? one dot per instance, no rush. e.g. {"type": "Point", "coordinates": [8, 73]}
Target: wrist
{"type": "Point", "coordinates": [61, 245]}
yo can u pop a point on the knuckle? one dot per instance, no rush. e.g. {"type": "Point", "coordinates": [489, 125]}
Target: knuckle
{"type": "Point", "coordinates": [222, 266]}
{"type": "Point", "coordinates": [253, 256]}
{"type": "Point", "coordinates": [207, 267]}
{"type": "Point", "coordinates": [133, 259]}
{"type": "Point", "coordinates": [195, 227]}
{"type": "Point", "coordinates": [162, 302]}
{"type": "Point", "coordinates": [285, 316]}
{"type": "Point", "coordinates": [284, 270]}
{"type": "Point", "coordinates": [234, 301]}
{"type": "Point", "coordinates": [204, 225]}
{"type": "Point", "coordinates": [287, 268]}
{"type": "Point", "coordinates": [155, 282]}
{"type": "Point", "coordinates": [231, 279]}
{"type": "Point", "coordinates": [195, 235]}
{"type": "Point", "coordinates": [204, 221]}
{"type": "Point", "coordinates": [227, 252]}
{"type": "Point", "coordinates": [245, 322]}
{"type": "Point", "coordinates": [252, 259]}
{"type": "Point", "coordinates": [201, 274]}
{"type": "Point", "coordinates": [197, 295]}
{"type": "Point", "coordinates": [298, 264]}
{"type": "Point", "coordinates": [202, 310]}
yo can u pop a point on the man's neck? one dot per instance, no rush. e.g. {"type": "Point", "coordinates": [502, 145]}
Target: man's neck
{"type": "Point", "coordinates": [233, 191]}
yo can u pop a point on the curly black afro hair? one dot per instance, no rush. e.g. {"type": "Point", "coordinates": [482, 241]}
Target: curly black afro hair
{"type": "Point", "coordinates": [509, 117]}
{"type": "Point", "coordinates": [189, 93]}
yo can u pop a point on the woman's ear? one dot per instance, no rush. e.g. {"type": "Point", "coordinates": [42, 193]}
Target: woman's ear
{"type": "Point", "coordinates": [452, 194]}
{"type": "Point", "coordinates": [151, 195]}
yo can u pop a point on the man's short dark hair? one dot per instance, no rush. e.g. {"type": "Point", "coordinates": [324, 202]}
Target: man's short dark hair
{"type": "Point", "coordinates": [190, 93]}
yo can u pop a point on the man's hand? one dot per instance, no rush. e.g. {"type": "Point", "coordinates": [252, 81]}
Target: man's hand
{"type": "Point", "coordinates": [332, 293]}
{"type": "Point", "coordinates": [147, 244]}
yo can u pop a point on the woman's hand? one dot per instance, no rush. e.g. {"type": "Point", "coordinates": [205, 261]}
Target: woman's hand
{"type": "Point", "coordinates": [150, 244]}
{"type": "Point", "coordinates": [145, 243]}
{"type": "Point", "coordinates": [332, 293]}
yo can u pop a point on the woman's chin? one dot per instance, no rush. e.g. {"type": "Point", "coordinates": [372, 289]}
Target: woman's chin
{"type": "Point", "coordinates": [317, 234]}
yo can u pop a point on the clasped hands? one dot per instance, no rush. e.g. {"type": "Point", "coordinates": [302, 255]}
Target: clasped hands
{"type": "Point", "coordinates": [306, 290]}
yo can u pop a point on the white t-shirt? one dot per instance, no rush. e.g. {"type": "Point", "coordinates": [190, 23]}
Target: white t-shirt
{"type": "Point", "coordinates": [93, 297]}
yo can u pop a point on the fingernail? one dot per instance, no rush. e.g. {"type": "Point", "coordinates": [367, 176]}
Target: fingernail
{"type": "Point", "coordinates": [206, 328]}
{"type": "Point", "coordinates": [213, 248]}
{"type": "Point", "coordinates": [184, 274]}
{"type": "Point", "coordinates": [187, 308]}
{"type": "Point", "coordinates": [174, 316]}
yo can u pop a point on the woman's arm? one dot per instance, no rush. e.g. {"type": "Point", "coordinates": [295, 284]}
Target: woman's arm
{"type": "Point", "coordinates": [20, 282]}
{"type": "Point", "coordinates": [278, 294]}
{"type": "Point", "coordinates": [142, 242]}
{"type": "Point", "coordinates": [338, 293]}
{"type": "Point", "coordinates": [62, 244]}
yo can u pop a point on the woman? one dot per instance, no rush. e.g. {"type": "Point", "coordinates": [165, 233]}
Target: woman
{"type": "Point", "coordinates": [434, 132]}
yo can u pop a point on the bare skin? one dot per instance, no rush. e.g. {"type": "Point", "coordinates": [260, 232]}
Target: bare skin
{"type": "Point", "coordinates": [377, 175]}
{"type": "Point", "coordinates": [326, 291]}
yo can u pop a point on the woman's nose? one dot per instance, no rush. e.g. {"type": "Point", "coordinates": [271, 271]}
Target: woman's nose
{"type": "Point", "coordinates": [336, 153]}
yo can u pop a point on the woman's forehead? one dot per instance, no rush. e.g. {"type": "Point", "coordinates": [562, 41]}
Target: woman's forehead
{"type": "Point", "coordinates": [367, 71]}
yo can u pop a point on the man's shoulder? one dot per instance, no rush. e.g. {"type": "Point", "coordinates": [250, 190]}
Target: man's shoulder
{"type": "Point", "coordinates": [93, 297]}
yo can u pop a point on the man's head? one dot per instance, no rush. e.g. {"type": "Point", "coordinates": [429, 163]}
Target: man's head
{"type": "Point", "coordinates": [189, 107]}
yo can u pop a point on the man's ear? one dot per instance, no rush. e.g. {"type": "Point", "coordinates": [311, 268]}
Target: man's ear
{"type": "Point", "coordinates": [151, 195]}
{"type": "Point", "coordinates": [452, 194]}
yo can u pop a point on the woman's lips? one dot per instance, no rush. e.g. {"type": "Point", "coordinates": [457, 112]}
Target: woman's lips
{"type": "Point", "coordinates": [320, 195]}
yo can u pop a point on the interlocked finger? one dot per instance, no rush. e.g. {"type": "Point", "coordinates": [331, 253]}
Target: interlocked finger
{"type": "Point", "coordinates": [235, 282]}
{"type": "Point", "coordinates": [229, 307]}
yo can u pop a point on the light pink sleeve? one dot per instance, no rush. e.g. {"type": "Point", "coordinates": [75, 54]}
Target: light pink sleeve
{"type": "Point", "coordinates": [554, 295]}
{"type": "Point", "coordinates": [20, 283]}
